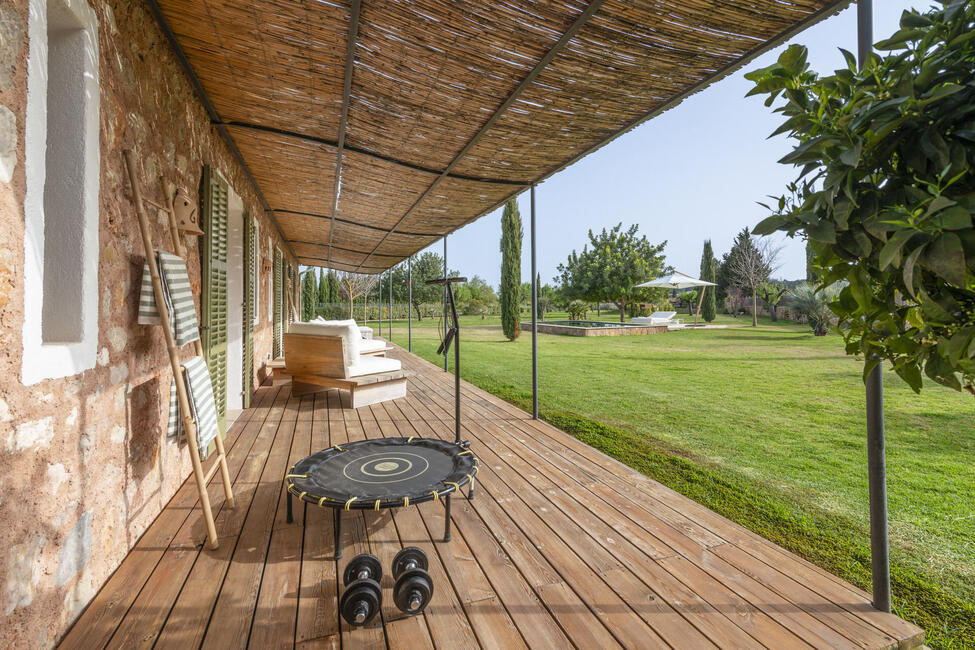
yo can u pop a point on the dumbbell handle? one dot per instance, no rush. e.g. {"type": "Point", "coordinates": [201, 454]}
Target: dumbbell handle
{"type": "Point", "coordinates": [416, 599]}
{"type": "Point", "coordinates": [364, 574]}
{"type": "Point", "coordinates": [360, 613]}
{"type": "Point", "coordinates": [410, 566]}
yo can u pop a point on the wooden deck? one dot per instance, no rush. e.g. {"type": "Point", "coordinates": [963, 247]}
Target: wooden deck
{"type": "Point", "coordinates": [561, 546]}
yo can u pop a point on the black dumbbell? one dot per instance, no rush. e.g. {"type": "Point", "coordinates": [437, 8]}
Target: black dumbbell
{"type": "Point", "coordinates": [363, 596]}
{"type": "Point", "coordinates": [414, 588]}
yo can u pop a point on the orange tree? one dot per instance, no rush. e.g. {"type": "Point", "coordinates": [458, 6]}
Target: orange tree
{"type": "Point", "coordinates": [886, 191]}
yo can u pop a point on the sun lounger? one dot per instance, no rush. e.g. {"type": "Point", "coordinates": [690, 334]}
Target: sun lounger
{"type": "Point", "coordinates": [658, 318]}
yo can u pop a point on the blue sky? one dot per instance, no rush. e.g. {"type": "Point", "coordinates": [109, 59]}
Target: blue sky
{"type": "Point", "coordinates": [693, 173]}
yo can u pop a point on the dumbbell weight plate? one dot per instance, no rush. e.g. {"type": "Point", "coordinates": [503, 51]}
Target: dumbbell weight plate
{"type": "Point", "coordinates": [361, 592]}
{"type": "Point", "coordinates": [359, 563]}
{"type": "Point", "coordinates": [409, 554]}
{"type": "Point", "coordinates": [413, 580]}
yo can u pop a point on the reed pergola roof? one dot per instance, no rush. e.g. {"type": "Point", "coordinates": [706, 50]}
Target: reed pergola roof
{"type": "Point", "coordinates": [373, 128]}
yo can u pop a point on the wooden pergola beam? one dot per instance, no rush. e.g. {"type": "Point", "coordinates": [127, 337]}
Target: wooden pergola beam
{"type": "Point", "coordinates": [559, 45]}
{"type": "Point", "coordinates": [212, 113]}
{"type": "Point", "coordinates": [344, 117]}
{"type": "Point", "coordinates": [371, 154]}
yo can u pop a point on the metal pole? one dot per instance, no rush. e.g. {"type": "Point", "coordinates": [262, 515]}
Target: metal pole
{"type": "Point", "coordinates": [445, 299]}
{"type": "Point", "coordinates": [390, 305]}
{"type": "Point", "coordinates": [877, 472]}
{"type": "Point", "coordinates": [380, 304]}
{"type": "Point", "coordinates": [409, 303]}
{"type": "Point", "coordinates": [876, 453]}
{"type": "Point", "coordinates": [534, 312]}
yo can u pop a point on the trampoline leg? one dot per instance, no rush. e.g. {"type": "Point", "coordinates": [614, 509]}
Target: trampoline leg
{"type": "Point", "coordinates": [291, 516]}
{"type": "Point", "coordinates": [338, 534]}
{"type": "Point", "coordinates": [446, 519]}
{"type": "Point", "coordinates": [470, 492]}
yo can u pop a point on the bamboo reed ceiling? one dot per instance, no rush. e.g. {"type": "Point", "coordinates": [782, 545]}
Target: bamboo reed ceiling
{"type": "Point", "coordinates": [372, 128]}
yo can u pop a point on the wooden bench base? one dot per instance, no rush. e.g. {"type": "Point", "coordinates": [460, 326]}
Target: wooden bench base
{"type": "Point", "coordinates": [363, 391]}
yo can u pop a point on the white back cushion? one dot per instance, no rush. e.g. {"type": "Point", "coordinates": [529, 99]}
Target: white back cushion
{"type": "Point", "coordinates": [346, 329]}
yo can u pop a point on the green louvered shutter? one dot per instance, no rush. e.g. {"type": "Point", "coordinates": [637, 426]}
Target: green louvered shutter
{"type": "Point", "coordinates": [250, 281]}
{"type": "Point", "coordinates": [213, 258]}
{"type": "Point", "coordinates": [278, 299]}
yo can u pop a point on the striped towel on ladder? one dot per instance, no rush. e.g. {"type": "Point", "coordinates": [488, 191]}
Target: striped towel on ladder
{"type": "Point", "coordinates": [179, 298]}
{"type": "Point", "coordinates": [202, 404]}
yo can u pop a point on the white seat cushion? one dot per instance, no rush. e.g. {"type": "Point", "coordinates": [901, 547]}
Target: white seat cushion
{"type": "Point", "coordinates": [365, 331]}
{"type": "Point", "coordinates": [371, 345]}
{"type": "Point", "coordinates": [372, 365]}
{"type": "Point", "coordinates": [346, 329]}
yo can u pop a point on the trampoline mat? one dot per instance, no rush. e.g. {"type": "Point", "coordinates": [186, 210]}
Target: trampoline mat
{"type": "Point", "coordinates": [382, 473]}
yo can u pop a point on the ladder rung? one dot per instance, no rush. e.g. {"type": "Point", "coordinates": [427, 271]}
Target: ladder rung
{"type": "Point", "coordinates": [213, 470]}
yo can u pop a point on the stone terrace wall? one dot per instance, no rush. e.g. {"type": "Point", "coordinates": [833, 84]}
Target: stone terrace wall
{"type": "Point", "coordinates": [86, 463]}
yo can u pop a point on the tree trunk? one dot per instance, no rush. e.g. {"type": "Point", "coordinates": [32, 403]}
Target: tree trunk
{"type": "Point", "coordinates": [350, 308]}
{"type": "Point", "coordinates": [754, 310]}
{"type": "Point", "coordinates": [622, 311]}
{"type": "Point", "coordinates": [771, 312]}
{"type": "Point", "coordinates": [419, 316]}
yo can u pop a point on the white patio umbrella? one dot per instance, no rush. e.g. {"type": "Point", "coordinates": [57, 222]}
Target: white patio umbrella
{"type": "Point", "coordinates": [678, 280]}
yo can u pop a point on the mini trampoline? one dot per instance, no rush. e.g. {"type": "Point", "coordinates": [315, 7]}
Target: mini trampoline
{"type": "Point", "coordinates": [382, 473]}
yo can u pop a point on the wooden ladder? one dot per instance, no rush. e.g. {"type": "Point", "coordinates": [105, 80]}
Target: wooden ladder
{"type": "Point", "coordinates": [189, 424]}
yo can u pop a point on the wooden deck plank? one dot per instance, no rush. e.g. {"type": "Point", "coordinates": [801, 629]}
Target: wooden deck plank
{"type": "Point", "coordinates": [562, 546]}
{"type": "Point", "coordinates": [101, 618]}
{"type": "Point", "coordinates": [277, 602]}
{"type": "Point", "coordinates": [191, 611]}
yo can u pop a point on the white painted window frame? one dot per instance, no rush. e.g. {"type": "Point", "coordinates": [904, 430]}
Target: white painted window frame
{"type": "Point", "coordinates": [52, 360]}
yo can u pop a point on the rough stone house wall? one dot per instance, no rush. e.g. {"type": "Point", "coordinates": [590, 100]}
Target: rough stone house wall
{"type": "Point", "coordinates": [86, 464]}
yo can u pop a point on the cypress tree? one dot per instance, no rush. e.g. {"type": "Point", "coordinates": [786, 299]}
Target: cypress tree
{"type": "Point", "coordinates": [323, 298]}
{"type": "Point", "coordinates": [308, 292]}
{"type": "Point", "coordinates": [334, 291]}
{"type": "Point", "coordinates": [709, 308]}
{"type": "Point", "coordinates": [511, 235]}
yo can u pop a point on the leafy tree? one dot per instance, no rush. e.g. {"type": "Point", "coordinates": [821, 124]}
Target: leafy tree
{"type": "Point", "coordinates": [427, 266]}
{"type": "Point", "coordinates": [772, 292]}
{"type": "Point", "coordinates": [610, 266]}
{"type": "Point", "coordinates": [577, 309]}
{"type": "Point", "coordinates": [813, 303]}
{"type": "Point", "coordinates": [750, 263]}
{"type": "Point", "coordinates": [886, 193]}
{"type": "Point", "coordinates": [690, 299]}
{"type": "Point", "coordinates": [511, 236]}
{"type": "Point", "coordinates": [308, 294]}
{"type": "Point", "coordinates": [709, 307]}
{"type": "Point", "coordinates": [475, 297]}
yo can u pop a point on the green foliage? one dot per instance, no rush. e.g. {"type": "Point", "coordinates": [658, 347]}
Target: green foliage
{"type": "Point", "coordinates": [578, 309]}
{"type": "Point", "coordinates": [886, 194]}
{"type": "Point", "coordinates": [309, 292]}
{"type": "Point", "coordinates": [475, 297]}
{"type": "Point", "coordinates": [709, 307]}
{"type": "Point", "coordinates": [610, 265]}
{"type": "Point", "coordinates": [428, 266]}
{"type": "Point", "coordinates": [814, 303]}
{"type": "Point", "coordinates": [322, 297]}
{"type": "Point", "coordinates": [772, 293]}
{"type": "Point", "coordinates": [511, 236]}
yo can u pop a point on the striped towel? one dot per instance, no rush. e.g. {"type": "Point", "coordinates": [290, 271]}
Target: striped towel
{"type": "Point", "coordinates": [202, 405]}
{"type": "Point", "coordinates": [179, 298]}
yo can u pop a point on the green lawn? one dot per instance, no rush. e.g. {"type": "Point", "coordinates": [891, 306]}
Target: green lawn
{"type": "Point", "coordinates": [765, 425]}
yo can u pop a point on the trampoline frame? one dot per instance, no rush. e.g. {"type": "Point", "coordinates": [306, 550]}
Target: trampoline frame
{"type": "Point", "coordinates": [353, 503]}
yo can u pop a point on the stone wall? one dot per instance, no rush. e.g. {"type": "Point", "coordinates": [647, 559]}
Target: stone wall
{"type": "Point", "coordinates": [86, 462]}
